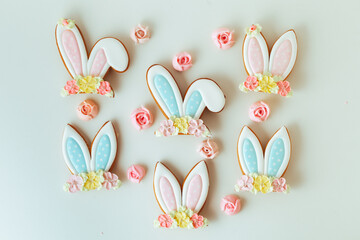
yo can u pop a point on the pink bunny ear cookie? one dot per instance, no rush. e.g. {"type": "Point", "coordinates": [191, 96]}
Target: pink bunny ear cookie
{"type": "Point", "coordinates": [181, 207]}
{"type": "Point", "coordinates": [183, 116]}
{"type": "Point", "coordinates": [87, 73]}
{"type": "Point", "coordinates": [268, 73]}
{"type": "Point", "coordinates": [263, 172]}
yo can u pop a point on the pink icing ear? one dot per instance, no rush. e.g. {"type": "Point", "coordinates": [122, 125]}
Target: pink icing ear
{"type": "Point", "coordinates": [255, 56]}
{"type": "Point", "coordinates": [72, 50]}
{"type": "Point", "coordinates": [282, 58]}
{"type": "Point", "coordinates": [194, 192]}
{"type": "Point", "coordinates": [99, 63]}
{"type": "Point", "coordinates": [167, 194]}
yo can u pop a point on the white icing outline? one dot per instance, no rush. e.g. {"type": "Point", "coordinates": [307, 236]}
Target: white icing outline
{"type": "Point", "coordinates": [107, 129]}
{"type": "Point", "coordinates": [201, 170]}
{"type": "Point", "coordinates": [70, 132]}
{"type": "Point", "coordinates": [263, 159]}
{"type": "Point", "coordinates": [247, 133]}
{"type": "Point", "coordinates": [283, 134]}
{"type": "Point", "coordinates": [289, 35]}
{"type": "Point", "coordinates": [162, 171]}
{"type": "Point", "coordinates": [209, 90]}
{"type": "Point", "coordinates": [115, 52]}
{"type": "Point", "coordinates": [268, 57]}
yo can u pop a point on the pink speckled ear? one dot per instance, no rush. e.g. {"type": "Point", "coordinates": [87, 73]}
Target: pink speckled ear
{"type": "Point", "coordinates": [167, 189]}
{"type": "Point", "coordinates": [255, 54]}
{"type": "Point", "coordinates": [99, 63]}
{"type": "Point", "coordinates": [72, 51]}
{"type": "Point", "coordinates": [283, 55]}
{"type": "Point", "coordinates": [196, 187]}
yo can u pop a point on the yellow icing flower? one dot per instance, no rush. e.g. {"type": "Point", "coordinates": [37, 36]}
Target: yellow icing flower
{"type": "Point", "coordinates": [262, 184]}
{"type": "Point", "coordinates": [93, 181]}
{"type": "Point", "coordinates": [182, 124]}
{"type": "Point", "coordinates": [88, 84]}
{"type": "Point", "coordinates": [182, 219]}
{"type": "Point", "coordinates": [267, 84]}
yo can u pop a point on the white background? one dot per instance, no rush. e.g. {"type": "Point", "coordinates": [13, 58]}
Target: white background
{"type": "Point", "coordinates": [322, 118]}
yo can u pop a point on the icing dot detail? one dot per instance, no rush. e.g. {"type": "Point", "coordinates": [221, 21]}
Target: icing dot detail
{"type": "Point", "coordinates": [250, 156]}
{"type": "Point", "coordinates": [167, 94]}
{"type": "Point", "coordinates": [76, 155]}
{"type": "Point", "coordinates": [193, 104]}
{"type": "Point", "coordinates": [276, 156]}
{"type": "Point", "coordinates": [103, 153]}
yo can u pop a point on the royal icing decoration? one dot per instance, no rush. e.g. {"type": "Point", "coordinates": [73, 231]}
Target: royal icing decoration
{"type": "Point", "coordinates": [183, 116]}
{"type": "Point", "coordinates": [263, 173]}
{"type": "Point", "coordinates": [268, 74]}
{"type": "Point", "coordinates": [181, 207]}
{"type": "Point", "coordinates": [90, 171]}
{"type": "Point", "coordinates": [87, 72]}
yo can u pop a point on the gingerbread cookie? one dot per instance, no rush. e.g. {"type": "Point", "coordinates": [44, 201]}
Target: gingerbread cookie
{"type": "Point", "coordinates": [88, 72]}
{"type": "Point", "coordinates": [263, 173]}
{"type": "Point", "coordinates": [268, 74]}
{"type": "Point", "coordinates": [90, 170]}
{"type": "Point", "coordinates": [181, 207]}
{"type": "Point", "coordinates": [183, 115]}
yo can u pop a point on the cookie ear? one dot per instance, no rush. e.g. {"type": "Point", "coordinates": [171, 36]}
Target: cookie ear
{"type": "Point", "coordinates": [167, 189]}
{"type": "Point", "coordinates": [75, 151]}
{"type": "Point", "coordinates": [250, 153]}
{"type": "Point", "coordinates": [164, 90]}
{"type": "Point", "coordinates": [283, 55]}
{"type": "Point", "coordinates": [107, 52]}
{"type": "Point", "coordinates": [277, 153]}
{"type": "Point", "coordinates": [203, 93]}
{"type": "Point", "coordinates": [196, 187]}
{"type": "Point", "coordinates": [103, 148]}
{"type": "Point", "coordinates": [72, 49]}
{"type": "Point", "coordinates": [255, 54]}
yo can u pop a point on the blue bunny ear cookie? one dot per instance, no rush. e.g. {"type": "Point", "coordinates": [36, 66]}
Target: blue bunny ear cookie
{"type": "Point", "coordinates": [183, 116]}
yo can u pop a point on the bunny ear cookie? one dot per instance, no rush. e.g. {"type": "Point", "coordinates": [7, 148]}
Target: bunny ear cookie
{"type": "Point", "coordinates": [183, 116]}
{"type": "Point", "coordinates": [90, 171]}
{"type": "Point", "coordinates": [87, 73]}
{"type": "Point", "coordinates": [181, 207]}
{"type": "Point", "coordinates": [268, 73]}
{"type": "Point", "coordinates": [263, 173]}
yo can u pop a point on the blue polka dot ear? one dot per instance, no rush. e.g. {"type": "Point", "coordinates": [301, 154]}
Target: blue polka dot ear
{"type": "Point", "coordinates": [263, 174]}
{"type": "Point", "coordinates": [183, 116]}
{"type": "Point", "coordinates": [90, 172]}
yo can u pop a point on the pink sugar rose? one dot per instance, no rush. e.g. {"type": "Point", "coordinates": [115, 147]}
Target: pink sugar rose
{"type": "Point", "coordinates": [197, 220]}
{"type": "Point", "coordinates": [71, 87]}
{"type": "Point", "coordinates": [135, 173]}
{"type": "Point", "coordinates": [284, 88]}
{"type": "Point", "coordinates": [259, 111]}
{"type": "Point", "coordinates": [75, 183]}
{"type": "Point", "coordinates": [104, 88]}
{"type": "Point", "coordinates": [230, 204]}
{"type": "Point", "coordinates": [196, 127]}
{"type": "Point", "coordinates": [279, 185]}
{"type": "Point", "coordinates": [182, 61]}
{"type": "Point", "coordinates": [223, 38]}
{"type": "Point", "coordinates": [87, 110]}
{"type": "Point", "coordinates": [165, 221]}
{"type": "Point", "coordinates": [245, 183]}
{"type": "Point", "coordinates": [252, 28]}
{"type": "Point", "coordinates": [140, 34]}
{"type": "Point", "coordinates": [208, 149]}
{"type": "Point", "coordinates": [167, 128]}
{"type": "Point", "coordinates": [110, 180]}
{"type": "Point", "coordinates": [141, 118]}
{"type": "Point", "coordinates": [251, 83]}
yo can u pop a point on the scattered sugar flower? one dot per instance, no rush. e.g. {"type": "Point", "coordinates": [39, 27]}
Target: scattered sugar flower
{"type": "Point", "coordinates": [140, 34]}
{"type": "Point", "coordinates": [141, 118]}
{"type": "Point", "coordinates": [259, 111]}
{"type": "Point", "coordinates": [87, 110]}
{"type": "Point", "coordinates": [135, 173]}
{"type": "Point", "coordinates": [230, 204]}
{"type": "Point", "coordinates": [223, 38]}
{"type": "Point", "coordinates": [182, 61]}
{"type": "Point", "coordinates": [208, 149]}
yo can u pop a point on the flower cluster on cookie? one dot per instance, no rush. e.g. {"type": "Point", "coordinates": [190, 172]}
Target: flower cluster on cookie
{"type": "Point", "coordinates": [68, 23]}
{"type": "Point", "coordinates": [183, 125]}
{"type": "Point", "coordinates": [87, 84]}
{"type": "Point", "coordinates": [183, 218]}
{"type": "Point", "coordinates": [261, 183]}
{"type": "Point", "coordinates": [266, 83]}
{"type": "Point", "coordinates": [91, 181]}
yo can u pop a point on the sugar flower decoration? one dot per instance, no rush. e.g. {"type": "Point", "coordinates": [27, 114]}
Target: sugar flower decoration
{"type": "Point", "coordinates": [87, 110]}
{"type": "Point", "coordinates": [230, 204]}
{"type": "Point", "coordinates": [182, 61]}
{"type": "Point", "coordinates": [140, 34]}
{"type": "Point", "coordinates": [223, 38]}
{"type": "Point", "coordinates": [259, 111]}
{"type": "Point", "coordinates": [141, 118]}
{"type": "Point", "coordinates": [135, 173]}
{"type": "Point", "coordinates": [208, 149]}
{"type": "Point", "coordinates": [253, 30]}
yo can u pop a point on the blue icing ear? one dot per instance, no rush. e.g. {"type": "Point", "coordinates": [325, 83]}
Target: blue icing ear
{"type": "Point", "coordinates": [250, 156]}
{"type": "Point", "coordinates": [193, 104]}
{"type": "Point", "coordinates": [276, 158]}
{"type": "Point", "coordinates": [76, 155]}
{"type": "Point", "coordinates": [167, 94]}
{"type": "Point", "coordinates": [102, 153]}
